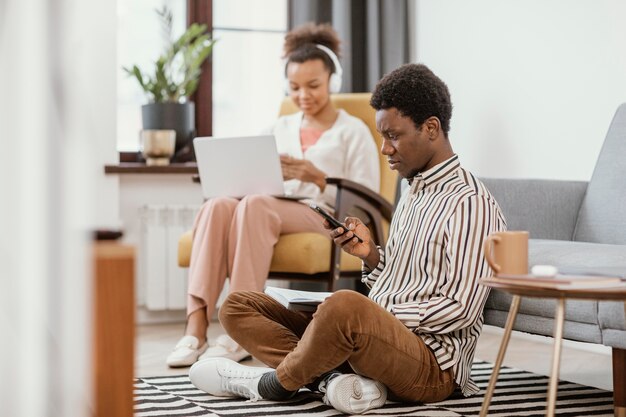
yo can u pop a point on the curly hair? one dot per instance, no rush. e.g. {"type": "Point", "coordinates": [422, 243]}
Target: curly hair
{"type": "Point", "coordinates": [416, 92]}
{"type": "Point", "coordinates": [300, 44]}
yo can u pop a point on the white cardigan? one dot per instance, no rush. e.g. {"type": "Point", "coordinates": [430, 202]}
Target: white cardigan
{"type": "Point", "coordinates": [346, 150]}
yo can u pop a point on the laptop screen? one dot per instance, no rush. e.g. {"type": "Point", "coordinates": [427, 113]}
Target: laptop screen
{"type": "Point", "coordinates": [238, 166]}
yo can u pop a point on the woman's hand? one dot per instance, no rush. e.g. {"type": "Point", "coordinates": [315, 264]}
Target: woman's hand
{"type": "Point", "coordinates": [345, 238]}
{"type": "Point", "coordinates": [303, 170]}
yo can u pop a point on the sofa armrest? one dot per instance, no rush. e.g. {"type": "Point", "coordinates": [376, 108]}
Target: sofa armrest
{"type": "Point", "coordinates": [548, 209]}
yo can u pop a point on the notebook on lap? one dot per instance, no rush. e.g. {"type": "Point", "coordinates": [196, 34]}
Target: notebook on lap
{"type": "Point", "coordinates": [238, 166]}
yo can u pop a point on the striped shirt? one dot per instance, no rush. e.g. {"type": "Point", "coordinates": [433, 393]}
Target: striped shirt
{"type": "Point", "coordinates": [428, 272]}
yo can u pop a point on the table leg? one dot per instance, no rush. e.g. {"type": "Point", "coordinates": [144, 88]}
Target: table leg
{"type": "Point", "coordinates": [556, 357]}
{"type": "Point", "coordinates": [619, 379]}
{"type": "Point", "coordinates": [510, 320]}
{"type": "Point", "coordinates": [619, 382]}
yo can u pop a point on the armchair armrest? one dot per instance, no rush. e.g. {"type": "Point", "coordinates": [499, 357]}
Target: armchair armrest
{"type": "Point", "coordinates": [364, 195]}
{"type": "Point", "coordinates": [376, 208]}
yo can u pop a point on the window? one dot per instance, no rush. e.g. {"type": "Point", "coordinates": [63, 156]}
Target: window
{"type": "Point", "coordinates": [248, 72]}
{"type": "Point", "coordinates": [139, 43]}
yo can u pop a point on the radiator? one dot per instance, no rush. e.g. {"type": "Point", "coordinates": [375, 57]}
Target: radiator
{"type": "Point", "coordinates": [163, 282]}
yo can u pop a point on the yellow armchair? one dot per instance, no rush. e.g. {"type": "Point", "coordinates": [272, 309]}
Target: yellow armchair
{"type": "Point", "coordinates": [313, 257]}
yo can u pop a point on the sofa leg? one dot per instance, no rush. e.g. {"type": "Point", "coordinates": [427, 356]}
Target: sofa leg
{"type": "Point", "coordinates": [619, 382]}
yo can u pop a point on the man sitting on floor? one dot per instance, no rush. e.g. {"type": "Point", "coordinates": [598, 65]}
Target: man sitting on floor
{"type": "Point", "coordinates": [415, 335]}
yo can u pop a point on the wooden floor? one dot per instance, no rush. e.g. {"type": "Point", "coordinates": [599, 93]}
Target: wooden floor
{"type": "Point", "coordinates": [581, 363]}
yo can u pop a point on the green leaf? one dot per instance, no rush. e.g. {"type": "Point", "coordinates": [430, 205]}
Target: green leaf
{"type": "Point", "coordinates": [177, 71]}
{"type": "Point", "coordinates": [191, 87]}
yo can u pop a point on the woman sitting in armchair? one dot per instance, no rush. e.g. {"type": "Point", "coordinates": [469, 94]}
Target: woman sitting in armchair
{"type": "Point", "coordinates": [235, 238]}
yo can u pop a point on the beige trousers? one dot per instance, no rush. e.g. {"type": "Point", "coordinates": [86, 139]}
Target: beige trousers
{"type": "Point", "coordinates": [348, 332]}
{"type": "Point", "coordinates": [235, 238]}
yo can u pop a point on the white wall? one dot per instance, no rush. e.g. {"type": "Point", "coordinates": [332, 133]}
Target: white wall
{"type": "Point", "coordinates": [534, 83]}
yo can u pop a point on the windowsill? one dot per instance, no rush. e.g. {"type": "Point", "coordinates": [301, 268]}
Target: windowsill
{"type": "Point", "coordinates": [141, 168]}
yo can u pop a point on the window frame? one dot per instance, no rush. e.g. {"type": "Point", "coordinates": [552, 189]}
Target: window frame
{"type": "Point", "coordinates": [201, 11]}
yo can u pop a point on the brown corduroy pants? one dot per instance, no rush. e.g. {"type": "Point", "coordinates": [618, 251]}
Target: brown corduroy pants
{"type": "Point", "coordinates": [348, 330]}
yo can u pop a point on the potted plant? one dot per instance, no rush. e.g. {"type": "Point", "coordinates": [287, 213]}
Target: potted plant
{"type": "Point", "coordinates": [175, 78]}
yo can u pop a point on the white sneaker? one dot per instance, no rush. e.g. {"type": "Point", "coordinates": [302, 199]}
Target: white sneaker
{"type": "Point", "coordinates": [226, 378]}
{"type": "Point", "coordinates": [355, 394]}
{"type": "Point", "coordinates": [186, 352]}
{"type": "Point", "coordinates": [225, 347]}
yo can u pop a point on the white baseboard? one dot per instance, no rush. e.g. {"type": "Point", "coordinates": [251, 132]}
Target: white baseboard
{"type": "Point", "coordinates": [145, 316]}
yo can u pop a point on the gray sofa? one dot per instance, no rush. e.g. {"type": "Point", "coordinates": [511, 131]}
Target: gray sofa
{"type": "Point", "coordinates": [574, 225]}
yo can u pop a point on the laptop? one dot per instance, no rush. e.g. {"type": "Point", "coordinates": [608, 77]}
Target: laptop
{"type": "Point", "coordinates": [238, 166]}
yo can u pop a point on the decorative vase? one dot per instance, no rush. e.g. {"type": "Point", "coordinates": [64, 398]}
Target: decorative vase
{"type": "Point", "coordinates": [157, 146]}
{"type": "Point", "coordinates": [176, 116]}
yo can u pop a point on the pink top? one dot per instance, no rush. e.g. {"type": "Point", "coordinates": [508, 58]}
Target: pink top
{"type": "Point", "coordinates": [309, 137]}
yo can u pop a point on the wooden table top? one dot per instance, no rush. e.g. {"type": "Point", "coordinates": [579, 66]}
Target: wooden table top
{"type": "Point", "coordinates": [607, 293]}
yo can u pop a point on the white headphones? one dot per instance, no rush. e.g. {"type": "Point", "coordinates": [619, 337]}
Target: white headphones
{"type": "Point", "coordinates": [336, 78]}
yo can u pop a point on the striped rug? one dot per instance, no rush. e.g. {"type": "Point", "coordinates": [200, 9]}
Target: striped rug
{"type": "Point", "coordinates": [518, 393]}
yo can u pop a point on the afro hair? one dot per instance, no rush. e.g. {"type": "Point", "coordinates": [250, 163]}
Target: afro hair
{"type": "Point", "coordinates": [416, 92]}
{"type": "Point", "coordinates": [300, 44]}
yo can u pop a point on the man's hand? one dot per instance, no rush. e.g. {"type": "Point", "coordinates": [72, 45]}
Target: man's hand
{"type": "Point", "coordinates": [345, 238]}
{"type": "Point", "coordinates": [303, 170]}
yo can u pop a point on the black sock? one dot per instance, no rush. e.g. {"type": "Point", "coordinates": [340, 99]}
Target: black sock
{"type": "Point", "coordinates": [322, 380]}
{"type": "Point", "coordinates": [270, 388]}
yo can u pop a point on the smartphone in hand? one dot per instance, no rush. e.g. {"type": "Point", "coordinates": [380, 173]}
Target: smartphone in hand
{"type": "Point", "coordinates": [333, 222]}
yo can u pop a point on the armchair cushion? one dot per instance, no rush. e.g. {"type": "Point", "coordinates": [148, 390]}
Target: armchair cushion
{"type": "Point", "coordinates": [184, 248]}
{"type": "Point", "coordinates": [307, 253]}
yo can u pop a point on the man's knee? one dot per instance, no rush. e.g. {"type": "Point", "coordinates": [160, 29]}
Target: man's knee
{"type": "Point", "coordinates": [344, 305]}
{"type": "Point", "coordinates": [232, 306]}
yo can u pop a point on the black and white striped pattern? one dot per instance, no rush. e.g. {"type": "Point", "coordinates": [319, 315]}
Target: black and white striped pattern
{"type": "Point", "coordinates": [428, 272]}
{"type": "Point", "coordinates": [518, 393]}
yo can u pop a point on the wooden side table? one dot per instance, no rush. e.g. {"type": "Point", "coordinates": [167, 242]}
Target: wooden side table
{"type": "Point", "coordinates": [114, 329]}
{"type": "Point", "coordinates": [561, 295]}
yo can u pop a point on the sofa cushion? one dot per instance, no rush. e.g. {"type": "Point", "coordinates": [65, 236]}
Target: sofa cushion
{"type": "Point", "coordinates": [610, 259]}
{"type": "Point", "coordinates": [581, 332]}
{"type": "Point", "coordinates": [575, 310]}
{"type": "Point", "coordinates": [611, 315]}
{"type": "Point", "coordinates": [602, 217]}
{"type": "Point", "coordinates": [612, 318]}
